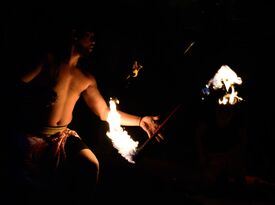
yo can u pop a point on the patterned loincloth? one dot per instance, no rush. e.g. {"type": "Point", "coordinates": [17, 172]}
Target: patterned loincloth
{"type": "Point", "coordinates": [52, 140]}
{"type": "Point", "coordinates": [39, 154]}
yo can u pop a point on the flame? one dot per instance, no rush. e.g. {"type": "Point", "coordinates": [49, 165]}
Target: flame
{"type": "Point", "coordinates": [123, 142]}
{"type": "Point", "coordinates": [135, 70]}
{"type": "Point", "coordinates": [226, 77]}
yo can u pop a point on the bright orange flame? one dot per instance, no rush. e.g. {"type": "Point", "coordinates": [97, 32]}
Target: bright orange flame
{"type": "Point", "coordinates": [135, 70]}
{"type": "Point", "coordinates": [230, 98]}
{"type": "Point", "coordinates": [120, 138]}
{"type": "Point", "coordinates": [226, 77]}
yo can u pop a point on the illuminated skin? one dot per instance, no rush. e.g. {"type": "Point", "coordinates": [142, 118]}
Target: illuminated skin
{"type": "Point", "coordinates": [72, 82]}
{"type": "Point", "coordinates": [69, 83]}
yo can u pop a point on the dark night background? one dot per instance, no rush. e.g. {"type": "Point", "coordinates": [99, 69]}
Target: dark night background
{"type": "Point", "coordinates": [156, 34]}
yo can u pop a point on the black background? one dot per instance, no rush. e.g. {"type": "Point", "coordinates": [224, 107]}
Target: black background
{"type": "Point", "coordinates": [156, 34]}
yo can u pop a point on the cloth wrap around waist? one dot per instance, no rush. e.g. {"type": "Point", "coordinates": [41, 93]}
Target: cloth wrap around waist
{"type": "Point", "coordinates": [55, 136]}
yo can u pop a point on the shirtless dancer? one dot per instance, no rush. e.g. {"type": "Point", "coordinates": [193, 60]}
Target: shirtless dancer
{"type": "Point", "coordinates": [52, 153]}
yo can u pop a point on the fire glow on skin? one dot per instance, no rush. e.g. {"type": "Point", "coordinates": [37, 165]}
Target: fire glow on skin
{"type": "Point", "coordinates": [225, 77]}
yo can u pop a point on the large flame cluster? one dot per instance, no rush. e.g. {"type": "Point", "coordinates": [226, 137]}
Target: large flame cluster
{"type": "Point", "coordinates": [121, 140]}
{"type": "Point", "coordinates": [226, 78]}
